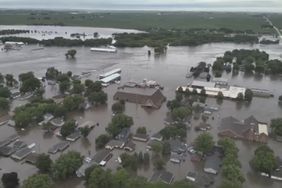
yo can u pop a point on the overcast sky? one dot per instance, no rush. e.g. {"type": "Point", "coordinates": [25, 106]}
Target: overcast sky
{"type": "Point", "coordinates": [232, 5]}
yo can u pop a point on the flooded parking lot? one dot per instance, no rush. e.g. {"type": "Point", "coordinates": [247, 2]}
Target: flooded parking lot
{"type": "Point", "coordinates": [169, 71]}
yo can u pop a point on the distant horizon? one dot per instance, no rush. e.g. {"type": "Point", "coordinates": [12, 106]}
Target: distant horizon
{"type": "Point", "coordinates": [262, 6]}
{"type": "Point", "coordinates": [221, 10]}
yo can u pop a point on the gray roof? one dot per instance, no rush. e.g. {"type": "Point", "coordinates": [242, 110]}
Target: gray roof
{"type": "Point", "coordinates": [251, 120]}
{"type": "Point", "coordinates": [7, 151]}
{"type": "Point", "coordinates": [8, 140]}
{"type": "Point", "coordinates": [74, 136]}
{"type": "Point", "coordinates": [177, 146]}
{"type": "Point", "coordinates": [101, 155]}
{"type": "Point", "coordinates": [59, 147]}
{"type": "Point", "coordinates": [130, 145]}
{"type": "Point", "coordinates": [141, 136]}
{"type": "Point", "coordinates": [123, 135]}
{"type": "Point", "coordinates": [213, 161]}
{"type": "Point", "coordinates": [81, 171]}
{"type": "Point", "coordinates": [32, 158]}
{"type": "Point", "coordinates": [115, 143]}
{"type": "Point", "coordinates": [22, 153]}
{"type": "Point", "coordinates": [163, 176]}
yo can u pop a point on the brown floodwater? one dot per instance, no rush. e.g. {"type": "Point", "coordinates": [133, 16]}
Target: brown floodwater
{"type": "Point", "coordinates": [169, 71]}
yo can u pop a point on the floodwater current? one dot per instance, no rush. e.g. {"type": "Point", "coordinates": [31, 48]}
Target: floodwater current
{"type": "Point", "coordinates": [169, 70]}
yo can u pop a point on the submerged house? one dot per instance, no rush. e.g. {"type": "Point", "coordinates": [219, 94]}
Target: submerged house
{"type": "Point", "coordinates": [162, 176]}
{"type": "Point", "coordinates": [249, 129]}
{"type": "Point", "coordinates": [146, 97]}
{"type": "Point", "coordinates": [213, 163]}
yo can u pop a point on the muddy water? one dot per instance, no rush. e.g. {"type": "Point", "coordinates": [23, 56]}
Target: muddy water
{"type": "Point", "coordinates": [51, 32]}
{"type": "Point", "coordinates": [169, 71]}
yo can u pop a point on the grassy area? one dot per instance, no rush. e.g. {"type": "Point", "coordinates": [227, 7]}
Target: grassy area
{"type": "Point", "coordinates": [139, 20]}
{"type": "Point", "coordinates": [276, 20]}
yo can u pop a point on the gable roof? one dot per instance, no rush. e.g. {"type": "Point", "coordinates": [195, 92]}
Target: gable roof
{"type": "Point", "coordinates": [147, 97]}
{"type": "Point", "coordinates": [251, 120]}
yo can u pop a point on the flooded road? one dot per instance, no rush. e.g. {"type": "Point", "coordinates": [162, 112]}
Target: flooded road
{"type": "Point", "coordinates": [169, 71]}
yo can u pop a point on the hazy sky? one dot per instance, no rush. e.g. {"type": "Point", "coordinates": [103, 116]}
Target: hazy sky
{"type": "Point", "coordinates": [232, 5]}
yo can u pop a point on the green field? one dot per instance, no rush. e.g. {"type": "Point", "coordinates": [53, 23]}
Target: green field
{"type": "Point", "coordinates": [140, 20]}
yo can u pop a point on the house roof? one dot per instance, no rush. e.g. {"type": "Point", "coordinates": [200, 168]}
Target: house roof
{"type": "Point", "coordinates": [22, 153]}
{"type": "Point", "coordinates": [177, 146]}
{"type": "Point", "coordinates": [59, 147]}
{"type": "Point", "coordinates": [262, 128]}
{"type": "Point", "coordinates": [164, 176]}
{"type": "Point", "coordinates": [115, 143]}
{"type": "Point", "coordinates": [213, 161]}
{"type": "Point", "coordinates": [123, 135]}
{"type": "Point", "coordinates": [147, 97]}
{"type": "Point", "coordinates": [251, 120]}
{"type": "Point", "coordinates": [32, 158]}
{"type": "Point", "coordinates": [8, 140]}
{"type": "Point", "coordinates": [101, 155]}
{"type": "Point", "coordinates": [140, 136]}
{"type": "Point", "coordinates": [130, 145]}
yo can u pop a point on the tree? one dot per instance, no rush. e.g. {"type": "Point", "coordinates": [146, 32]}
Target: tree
{"type": "Point", "coordinates": [66, 165]}
{"type": "Point", "coordinates": [38, 181]}
{"type": "Point", "coordinates": [93, 86]}
{"type": "Point", "coordinates": [5, 92]}
{"type": "Point", "coordinates": [85, 131]}
{"type": "Point", "coordinates": [166, 148]}
{"type": "Point", "coordinates": [181, 113]}
{"type": "Point", "coordinates": [248, 95]}
{"type": "Point", "coordinates": [29, 82]}
{"type": "Point", "coordinates": [280, 98]}
{"type": "Point", "coordinates": [203, 92]}
{"type": "Point", "coordinates": [1, 79]}
{"type": "Point", "coordinates": [232, 173]}
{"type": "Point", "coordinates": [78, 88]}
{"type": "Point", "coordinates": [129, 162]}
{"type": "Point", "coordinates": [72, 103]}
{"type": "Point", "coordinates": [264, 160]}
{"type": "Point", "coordinates": [158, 162]}
{"type": "Point", "coordinates": [10, 180]}
{"type": "Point", "coordinates": [204, 143]}
{"type": "Point", "coordinates": [100, 178]}
{"type": "Point", "coordinates": [276, 126]}
{"type": "Point", "coordinates": [102, 140]}
{"type": "Point", "coordinates": [64, 86]}
{"type": "Point", "coordinates": [52, 73]}
{"type": "Point", "coordinates": [71, 53]}
{"type": "Point", "coordinates": [10, 80]}
{"type": "Point", "coordinates": [141, 130]}
{"type": "Point", "coordinates": [173, 104]}
{"type": "Point", "coordinates": [44, 163]}
{"type": "Point", "coordinates": [98, 97]}
{"type": "Point", "coordinates": [240, 97]}
{"type": "Point", "coordinates": [4, 104]}
{"type": "Point", "coordinates": [119, 122]}
{"type": "Point", "coordinates": [146, 159]}
{"type": "Point", "coordinates": [118, 107]}
{"type": "Point", "coordinates": [68, 128]}
{"type": "Point", "coordinates": [230, 184]}
{"type": "Point", "coordinates": [220, 96]}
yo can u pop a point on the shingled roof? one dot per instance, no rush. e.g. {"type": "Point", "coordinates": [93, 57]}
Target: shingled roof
{"type": "Point", "coordinates": [245, 130]}
{"type": "Point", "coordinates": [147, 97]}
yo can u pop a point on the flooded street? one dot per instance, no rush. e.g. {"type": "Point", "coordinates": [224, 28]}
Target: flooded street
{"type": "Point", "coordinates": [169, 71]}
